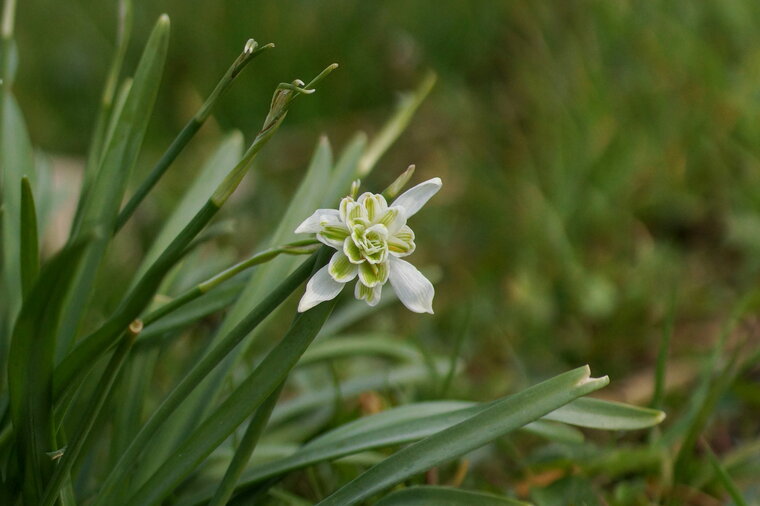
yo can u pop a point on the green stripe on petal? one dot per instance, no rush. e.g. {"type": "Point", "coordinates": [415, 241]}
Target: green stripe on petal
{"type": "Point", "coordinates": [335, 232]}
{"type": "Point", "coordinates": [402, 244]}
{"type": "Point", "coordinates": [365, 293]}
{"type": "Point", "coordinates": [352, 251]}
{"type": "Point", "coordinates": [372, 275]}
{"type": "Point", "coordinates": [375, 205]}
{"type": "Point", "coordinates": [406, 234]}
{"type": "Point", "coordinates": [341, 269]}
{"type": "Point", "coordinates": [393, 219]}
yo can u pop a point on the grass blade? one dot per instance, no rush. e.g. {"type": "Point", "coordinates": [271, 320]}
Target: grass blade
{"type": "Point", "coordinates": [606, 415]}
{"type": "Point", "coordinates": [245, 449]}
{"type": "Point", "coordinates": [210, 175]}
{"type": "Point", "coordinates": [250, 51]}
{"type": "Point", "coordinates": [30, 252]}
{"type": "Point", "coordinates": [98, 399]}
{"type": "Point", "coordinates": [30, 369]}
{"type": "Point", "coordinates": [247, 397]}
{"type": "Point", "coordinates": [107, 111]}
{"type": "Point", "coordinates": [499, 419]}
{"type": "Point", "coordinates": [17, 161]}
{"type": "Point", "coordinates": [101, 206]}
{"type": "Point", "coordinates": [427, 495]}
{"type": "Point", "coordinates": [124, 467]}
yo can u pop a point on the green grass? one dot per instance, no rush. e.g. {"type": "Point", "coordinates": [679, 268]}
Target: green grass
{"type": "Point", "coordinates": [600, 205]}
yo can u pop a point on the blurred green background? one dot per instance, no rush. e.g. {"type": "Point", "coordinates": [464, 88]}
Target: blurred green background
{"type": "Point", "coordinates": [600, 159]}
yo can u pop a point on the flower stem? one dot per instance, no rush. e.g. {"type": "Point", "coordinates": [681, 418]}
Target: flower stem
{"type": "Point", "coordinates": [294, 248]}
{"type": "Point", "coordinates": [250, 51]}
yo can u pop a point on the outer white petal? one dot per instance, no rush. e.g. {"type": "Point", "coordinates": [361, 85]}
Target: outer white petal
{"type": "Point", "coordinates": [414, 198]}
{"type": "Point", "coordinates": [321, 287]}
{"type": "Point", "coordinates": [412, 288]}
{"type": "Point", "coordinates": [312, 224]}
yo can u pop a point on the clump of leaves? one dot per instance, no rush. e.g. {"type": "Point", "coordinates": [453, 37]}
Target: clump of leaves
{"type": "Point", "coordinates": [84, 417]}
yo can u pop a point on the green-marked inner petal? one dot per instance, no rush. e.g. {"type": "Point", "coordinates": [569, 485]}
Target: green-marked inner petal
{"type": "Point", "coordinates": [374, 274]}
{"type": "Point", "coordinates": [335, 232]}
{"type": "Point", "coordinates": [352, 251]}
{"type": "Point", "coordinates": [341, 269]}
{"type": "Point", "coordinates": [370, 295]}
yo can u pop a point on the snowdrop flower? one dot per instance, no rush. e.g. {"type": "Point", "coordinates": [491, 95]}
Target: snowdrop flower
{"type": "Point", "coordinates": [371, 238]}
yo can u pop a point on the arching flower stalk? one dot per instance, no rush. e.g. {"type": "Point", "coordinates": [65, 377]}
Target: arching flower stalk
{"type": "Point", "coordinates": [371, 239]}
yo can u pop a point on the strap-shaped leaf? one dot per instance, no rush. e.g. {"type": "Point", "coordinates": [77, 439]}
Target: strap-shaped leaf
{"type": "Point", "coordinates": [498, 419]}
{"type": "Point", "coordinates": [445, 496]}
{"type": "Point", "coordinates": [30, 369]}
{"type": "Point", "coordinates": [16, 161]}
{"type": "Point", "coordinates": [124, 468]}
{"type": "Point", "coordinates": [412, 422]}
{"type": "Point", "coordinates": [251, 394]}
{"type": "Point", "coordinates": [99, 211]}
{"type": "Point", "coordinates": [30, 253]}
{"type": "Point", "coordinates": [606, 415]}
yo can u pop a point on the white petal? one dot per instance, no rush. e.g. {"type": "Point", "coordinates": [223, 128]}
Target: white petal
{"type": "Point", "coordinates": [321, 287]}
{"type": "Point", "coordinates": [414, 198]}
{"type": "Point", "coordinates": [412, 288]}
{"type": "Point", "coordinates": [312, 224]}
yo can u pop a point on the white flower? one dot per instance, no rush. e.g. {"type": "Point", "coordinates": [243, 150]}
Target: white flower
{"type": "Point", "coordinates": [371, 238]}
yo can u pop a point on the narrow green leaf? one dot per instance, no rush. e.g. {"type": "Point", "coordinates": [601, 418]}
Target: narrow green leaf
{"type": "Point", "coordinates": [498, 419]}
{"type": "Point", "coordinates": [552, 431]}
{"type": "Point", "coordinates": [444, 496]}
{"type": "Point", "coordinates": [17, 161]}
{"type": "Point", "coordinates": [245, 449]}
{"type": "Point", "coordinates": [307, 197]}
{"type": "Point", "coordinates": [323, 398]}
{"type": "Point", "coordinates": [606, 415]}
{"type": "Point", "coordinates": [405, 110]}
{"type": "Point", "coordinates": [250, 51]}
{"type": "Point", "coordinates": [210, 175]}
{"type": "Point", "coordinates": [30, 369]}
{"type": "Point", "coordinates": [247, 397]}
{"type": "Point", "coordinates": [30, 253]}
{"type": "Point", "coordinates": [78, 362]}
{"type": "Point", "coordinates": [346, 170]}
{"type": "Point", "coordinates": [107, 111]}
{"type": "Point", "coordinates": [99, 211]}
{"type": "Point", "coordinates": [723, 476]}
{"type": "Point", "coordinates": [365, 344]}
{"type": "Point", "coordinates": [98, 399]}
{"type": "Point", "coordinates": [124, 468]}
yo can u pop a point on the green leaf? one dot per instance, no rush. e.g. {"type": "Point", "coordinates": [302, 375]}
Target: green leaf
{"type": "Point", "coordinates": [30, 369]}
{"type": "Point", "coordinates": [606, 415]}
{"type": "Point", "coordinates": [30, 253]}
{"type": "Point", "coordinates": [107, 111]}
{"type": "Point", "coordinates": [99, 211]}
{"type": "Point", "coordinates": [444, 496]}
{"type": "Point", "coordinates": [557, 432]}
{"type": "Point", "coordinates": [125, 467]}
{"type": "Point", "coordinates": [97, 400]}
{"type": "Point", "coordinates": [405, 110]}
{"type": "Point", "coordinates": [407, 374]}
{"type": "Point", "coordinates": [245, 449]}
{"type": "Point", "coordinates": [251, 394]}
{"type": "Point", "coordinates": [498, 419]}
{"type": "Point", "coordinates": [17, 161]}
{"type": "Point", "coordinates": [307, 197]}
{"type": "Point", "coordinates": [364, 344]}
{"type": "Point", "coordinates": [211, 174]}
